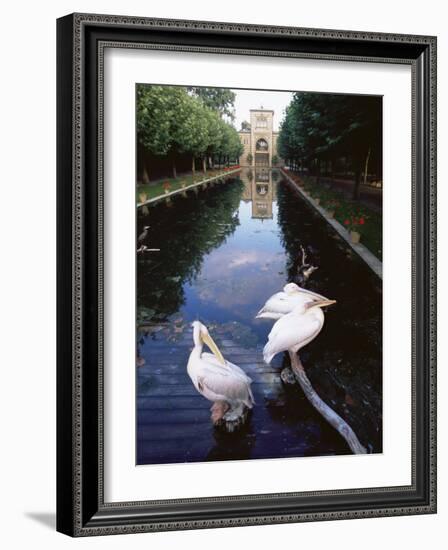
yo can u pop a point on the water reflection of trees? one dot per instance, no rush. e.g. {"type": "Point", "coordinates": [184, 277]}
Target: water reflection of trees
{"type": "Point", "coordinates": [293, 229]}
{"type": "Point", "coordinates": [185, 232]}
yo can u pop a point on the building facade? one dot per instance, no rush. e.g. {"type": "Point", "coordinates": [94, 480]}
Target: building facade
{"type": "Point", "coordinates": [260, 141]}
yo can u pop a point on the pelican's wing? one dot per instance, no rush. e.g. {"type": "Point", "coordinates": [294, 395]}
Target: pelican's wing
{"type": "Point", "coordinates": [228, 370]}
{"type": "Point", "coordinates": [288, 332]}
{"type": "Point", "coordinates": [225, 382]}
{"type": "Point", "coordinates": [282, 303]}
{"type": "Point", "coordinates": [312, 294]}
{"type": "Point", "coordinates": [276, 303]}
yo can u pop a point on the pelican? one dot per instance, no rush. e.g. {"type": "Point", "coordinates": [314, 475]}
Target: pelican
{"type": "Point", "coordinates": [295, 330]}
{"type": "Point", "coordinates": [284, 302]}
{"type": "Point", "coordinates": [142, 237]}
{"type": "Point", "coordinates": [218, 380]}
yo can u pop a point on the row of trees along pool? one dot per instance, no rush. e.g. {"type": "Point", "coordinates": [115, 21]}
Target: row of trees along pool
{"type": "Point", "coordinates": [333, 135]}
{"type": "Point", "coordinates": [178, 127]}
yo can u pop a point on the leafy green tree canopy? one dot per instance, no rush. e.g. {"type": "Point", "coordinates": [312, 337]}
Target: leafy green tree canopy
{"type": "Point", "coordinates": [221, 100]}
{"type": "Point", "coordinates": [171, 120]}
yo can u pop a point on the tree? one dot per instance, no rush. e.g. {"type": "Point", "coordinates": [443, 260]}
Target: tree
{"type": "Point", "coordinates": [195, 136]}
{"type": "Point", "coordinates": [323, 127]}
{"type": "Point", "coordinates": [163, 119]}
{"type": "Point", "coordinates": [221, 100]}
{"type": "Point", "coordinates": [215, 135]}
{"type": "Point", "coordinates": [153, 121]}
{"type": "Point", "coordinates": [172, 122]}
{"type": "Point", "coordinates": [230, 146]}
{"type": "Point", "coordinates": [245, 126]}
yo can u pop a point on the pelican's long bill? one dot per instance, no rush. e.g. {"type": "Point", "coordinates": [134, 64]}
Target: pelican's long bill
{"type": "Point", "coordinates": [207, 339]}
{"type": "Point", "coordinates": [320, 303]}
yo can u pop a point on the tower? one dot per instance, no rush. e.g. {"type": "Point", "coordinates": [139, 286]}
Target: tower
{"type": "Point", "coordinates": [260, 142]}
{"type": "Point", "coordinates": [261, 136]}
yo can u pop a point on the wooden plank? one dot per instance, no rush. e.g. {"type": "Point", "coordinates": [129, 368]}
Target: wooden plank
{"type": "Point", "coordinates": [147, 370]}
{"type": "Point", "coordinates": [175, 432]}
{"type": "Point", "coordinates": [178, 357]}
{"type": "Point", "coordinates": [161, 403]}
{"type": "Point", "coordinates": [174, 415]}
{"type": "Point", "coordinates": [198, 413]}
{"type": "Point", "coordinates": [169, 402]}
{"type": "Point", "coordinates": [186, 390]}
{"type": "Point", "coordinates": [183, 378]}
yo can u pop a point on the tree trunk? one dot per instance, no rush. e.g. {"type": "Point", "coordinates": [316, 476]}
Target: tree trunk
{"type": "Point", "coordinates": [174, 170]}
{"type": "Point", "coordinates": [356, 188]}
{"type": "Point", "coordinates": [145, 174]}
{"type": "Point", "coordinates": [366, 166]}
{"type": "Point", "coordinates": [193, 166]}
{"type": "Point", "coordinates": [204, 165]}
{"type": "Point", "coordinates": [318, 171]}
{"type": "Point", "coordinates": [327, 412]}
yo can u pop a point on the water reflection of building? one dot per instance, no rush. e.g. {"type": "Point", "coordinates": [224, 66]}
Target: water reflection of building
{"type": "Point", "coordinates": [259, 139]}
{"type": "Point", "coordinates": [260, 190]}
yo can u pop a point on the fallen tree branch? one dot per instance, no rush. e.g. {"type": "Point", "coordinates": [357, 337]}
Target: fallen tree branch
{"type": "Point", "coordinates": [305, 270]}
{"type": "Point", "coordinates": [327, 412]}
{"type": "Point", "coordinates": [303, 256]}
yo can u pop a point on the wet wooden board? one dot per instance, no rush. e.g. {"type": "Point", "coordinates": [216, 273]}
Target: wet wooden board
{"type": "Point", "coordinates": [185, 403]}
{"type": "Point", "coordinates": [174, 419]}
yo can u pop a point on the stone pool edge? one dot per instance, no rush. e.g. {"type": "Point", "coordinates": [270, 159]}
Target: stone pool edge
{"type": "Point", "coordinates": [192, 186]}
{"type": "Point", "coordinates": [364, 253]}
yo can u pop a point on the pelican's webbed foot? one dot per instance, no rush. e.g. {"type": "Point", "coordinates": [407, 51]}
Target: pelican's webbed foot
{"type": "Point", "coordinates": [233, 419]}
{"type": "Point", "coordinates": [219, 409]}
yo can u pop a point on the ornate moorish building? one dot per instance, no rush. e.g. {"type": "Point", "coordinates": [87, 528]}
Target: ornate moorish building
{"type": "Point", "coordinates": [260, 141]}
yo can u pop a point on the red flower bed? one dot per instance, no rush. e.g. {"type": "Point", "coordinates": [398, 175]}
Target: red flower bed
{"type": "Point", "coordinates": [353, 223]}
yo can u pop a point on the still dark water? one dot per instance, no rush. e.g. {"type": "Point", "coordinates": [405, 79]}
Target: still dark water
{"type": "Point", "coordinates": [223, 251]}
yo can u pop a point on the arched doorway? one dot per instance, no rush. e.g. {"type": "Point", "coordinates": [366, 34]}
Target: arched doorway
{"type": "Point", "coordinates": [262, 152]}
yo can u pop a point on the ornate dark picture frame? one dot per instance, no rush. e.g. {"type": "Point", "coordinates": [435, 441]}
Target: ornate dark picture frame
{"type": "Point", "coordinates": [81, 39]}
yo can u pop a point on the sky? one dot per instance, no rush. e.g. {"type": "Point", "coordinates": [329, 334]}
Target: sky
{"type": "Point", "coordinates": [254, 99]}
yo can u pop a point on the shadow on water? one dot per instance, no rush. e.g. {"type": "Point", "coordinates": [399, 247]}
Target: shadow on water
{"type": "Point", "coordinates": [223, 251]}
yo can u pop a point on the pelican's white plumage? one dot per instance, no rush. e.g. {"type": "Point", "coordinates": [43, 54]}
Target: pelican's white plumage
{"type": "Point", "coordinates": [284, 302]}
{"type": "Point", "coordinates": [218, 380]}
{"type": "Point", "coordinates": [295, 330]}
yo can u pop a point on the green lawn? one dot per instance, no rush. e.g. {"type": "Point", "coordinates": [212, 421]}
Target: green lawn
{"type": "Point", "coordinates": [344, 209]}
{"type": "Point", "coordinates": [156, 188]}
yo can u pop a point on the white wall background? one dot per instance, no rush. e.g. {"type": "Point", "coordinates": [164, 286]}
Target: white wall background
{"type": "Point", "coordinates": [27, 289]}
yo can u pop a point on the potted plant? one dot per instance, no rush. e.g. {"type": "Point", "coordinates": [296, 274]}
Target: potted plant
{"type": "Point", "coordinates": [353, 225]}
{"type": "Point", "coordinates": [331, 207]}
{"type": "Point", "coordinates": [166, 187]}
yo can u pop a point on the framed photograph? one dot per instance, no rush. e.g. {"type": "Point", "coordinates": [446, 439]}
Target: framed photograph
{"type": "Point", "coordinates": [246, 274]}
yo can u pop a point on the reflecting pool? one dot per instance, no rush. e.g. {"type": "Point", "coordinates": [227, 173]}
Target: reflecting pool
{"type": "Point", "coordinates": [224, 249]}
